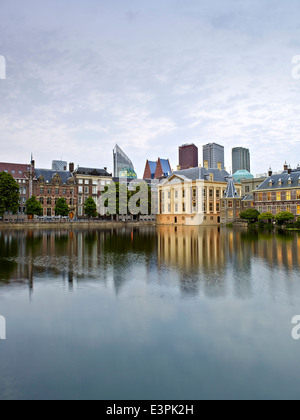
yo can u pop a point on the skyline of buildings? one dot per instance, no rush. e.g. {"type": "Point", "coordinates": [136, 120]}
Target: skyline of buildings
{"type": "Point", "coordinates": [213, 156]}
{"type": "Point", "coordinates": [188, 156]}
{"type": "Point", "coordinates": [241, 159]}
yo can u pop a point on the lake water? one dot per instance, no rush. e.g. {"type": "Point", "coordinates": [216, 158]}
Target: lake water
{"type": "Point", "coordinates": [149, 313]}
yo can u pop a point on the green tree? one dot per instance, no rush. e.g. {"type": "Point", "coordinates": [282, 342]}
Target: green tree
{"type": "Point", "coordinates": [34, 207]}
{"type": "Point", "coordinates": [266, 217]}
{"type": "Point", "coordinates": [251, 215]}
{"type": "Point", "coordinates": [62, 208]}
{"type": "Point", "coordinates": [284, 217]}
{"type": "Point", "coordinates": [9, 194]}
{"type": "Point", "coordinates": [90, 208]}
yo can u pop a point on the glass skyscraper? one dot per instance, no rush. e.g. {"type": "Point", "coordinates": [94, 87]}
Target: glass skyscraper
{"type": "Point", "coordinates": [123, 167]}
{"type": "Point", "coordinates": [240, 159]}
{"type": "Point", "coordinates": [213, 154]}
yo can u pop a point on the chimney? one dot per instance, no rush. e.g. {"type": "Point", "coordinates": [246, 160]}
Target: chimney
{"type": "Point", "coordinates": [65, 168]}
{"type": "Point", "coordinates": [71, 167]}
{"type": "Point", "coordinates": [289, 170]}
{"type": "Point", "coordinates": [270, 173]}
{"type": "Point", "coordinates": [33, 164]}
{"type": "Point", "coordinates": [285, 168]}
{"type": "Point", "coordinates": [220, 166]}
{"type": "Point", "coordinates": [105, 169]}
{"type": "Point", "coordinates": [206, 164]}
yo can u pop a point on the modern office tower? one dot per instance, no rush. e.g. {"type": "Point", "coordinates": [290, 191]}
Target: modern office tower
{"type": "Point", "coordinates": [213, 156]}
{"type": "Point", "coordinates": [123, 167]}
{"type": "Point", "coordinates": [188, 156]}
{"type": "Point", "coordinates": [240, 159]}
{"type": "Point", "coordinates": [59, 165]}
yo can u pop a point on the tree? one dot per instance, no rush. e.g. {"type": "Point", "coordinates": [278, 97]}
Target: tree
{"type": "Point", "coordinates": [62, 208]}
{"type": "Point", "coordinates": [90, 208]}
{"type": "Point", "coordinates": [9, 194]}
{"type": "Point", "coordinates": [251, 215]}
{"type": "Point", "coordinates": [266, 217]}
{"type": "Point", "coordinates": [284, 217]}
{"type": "Point", "coordinates": [34, 207]}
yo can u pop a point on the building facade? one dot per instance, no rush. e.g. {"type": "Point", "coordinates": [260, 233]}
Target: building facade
{"type": "Point", "coordinates": [188, 156]}
{"type": "Point", "coordinates": [89, 182]}
{"type": "Point", "coordinates": [279, 193]}
{"type": "Point", "coordinates": [240, 159]}
{"type": "Point", "coordinates": [192, 197]}
{"type": "Point", "coordinates": [50, 185]}
{"type": "Point", "coordinates": [213, 154]}
{"type": "Point", "coordinates": [22, 175]}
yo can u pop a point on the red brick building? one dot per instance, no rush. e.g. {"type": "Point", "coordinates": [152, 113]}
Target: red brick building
{"type": "Point", "coordinates": [21, 173]}
{"type": "Point", "coordinates": [188, 156]}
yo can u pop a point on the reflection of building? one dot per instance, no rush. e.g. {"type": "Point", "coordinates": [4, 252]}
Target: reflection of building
{"type": "Point", "coordinates": [88, 182]}
{"type": "Point", "coordinates": [21, 174]}
{"type": "Point", "coordinates": [213, 156]}
{"type": "Point", "coordinates": [188, 156]}
{"type": "Point", "coordinates": [157, 170]}
{"type": "Point", "coordinates": [240, 159]}
{"type": "Point", "coordinates": [192, 197]}
{"type": "Point", "coordinates": [279, 193]}
{"type": "Point", "coordinates": [123, 167]}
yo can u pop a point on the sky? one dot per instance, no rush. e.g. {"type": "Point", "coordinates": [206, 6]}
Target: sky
{"type": "Point", "coordinates": [82, 76]}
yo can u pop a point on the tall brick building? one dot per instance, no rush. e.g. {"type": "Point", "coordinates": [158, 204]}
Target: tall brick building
{"type": "Point", "coordinates": [188, 156]}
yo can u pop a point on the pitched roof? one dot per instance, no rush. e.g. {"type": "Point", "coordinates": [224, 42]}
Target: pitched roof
{"type": "Point", "coordinates": [152, 166]}
{"type": "Point", "coordinates": [92, 172]}
{"type": "Point", "coordinates": [231, 191]}
{"type": "Point", "coordinates": [15, 169]}
{"type": "Point", "coordinates": [281, 180]}
{"type": "Point", "coordinates": [194, 174]}
{"type": "Point", "coordinates": [165, 164]}
{"type": "Point", "coordinates": [48, 175]}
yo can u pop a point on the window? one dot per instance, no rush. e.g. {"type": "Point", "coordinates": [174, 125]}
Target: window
{"type": "Point", "coordinates": [204, 207]}
{"type": "Point", "coordinates": [80, 181]}
{"type": "Point", "coordinates": [278, 196]}
{"type": "Point", "coordinates": [49, 213]}
{"type": "Point", "coordinates": [95, 182]}
{"type": "Point", "coordinates": [162, 196]}
{"type": "Point", "coordinates": [218, 207]}
{"type": "Point", "coordinates": [260, 209]}
{"type": "Point", "coordinates": [57, 191]}
{"type": "Point", "coordinates": [41, 190]}
{"type": "Point", "coordinates": [288, 208]}
{"type": "Point", "coordinates": [223, 204]}
{"type": "Point", "coordinates": [80, 190]}
{"type": "Point", "coordinates": [79, 211]}
{"type": "Point", "coordinates": [194, 193]}
{"type": "Point", "coordinates": [71, 202]}
{"type": "Point", "coordinates": [211, 194]}
{"type": "Point", "coordinates": [24, 190]}
{"type": "Point", "coordinates": [218, 194]}
{"type": "Point", "coordinates": [86, 190]}
{"type": "Point", "coordinates": [183, 193]}
{"type": "Point", "coordinates": [94, 190]}
{"type": "Point", "coordinates": [247, 189]}
{"type": "Point", "coordinates": [269, 209]}
{"type": "Point", "coordinates": [211, 207]}
{"type": "Point", "coordinates": [211, 177]}
{"type": "Point", "coordinates": [64, 191]}
{"type": "Point", "coordinates": [87, 182]}
{"type": "Point", "coordinates": [176, 208]}
{"type": "Point", "coordinates": [298, 194]}
{"type": "Point", "coordinates": [278, 209]}
{"type": "Point", "coordinates": [230, 214]}
{"type": "Point", "coordinates": [260, 197]}
{"type": "Point", "coordinates": [169, 208]}
{"type": "Point", "coordinates": [298, 210]}
{"type": "Point", "coordinates": [176, 194]}
{"type": "Point", "coordinates": [183, 208]}
{"type": "Point", "coordinates": [42, 200]}
{"type": "Point", "coordinates": [269, 196]}
{"type": "Point", "coordinates": [169, 195]}
{"type": "Point", "coordinates": [24, 200]}
{"type": "Point", "coordinates": [204, 192]}
{"type": "Point", "coordinates": [288, 195]}
{"type": "Point", "coordinates": [238, 204]}
{"type": "Point", "coordinates": [49, 201]}
{"type": "Point", "coordinates": [230, 204]}
{"type": "Point", "coordinates": [49, 191]}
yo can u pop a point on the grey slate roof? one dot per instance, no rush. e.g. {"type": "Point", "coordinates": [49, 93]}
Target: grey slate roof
{"type": "Point", "coordinates": [202, 173]}
{"type": "Point", "coordinates": [285, 176]}
{"type": "Point", "coordinates": [231, 191]}
{"type": "Point", "coordinates": [92, 171]}
{"type": "Point", "coordinates": [249, 197]}
{"type": "Point", "coordinates": [48, 174]}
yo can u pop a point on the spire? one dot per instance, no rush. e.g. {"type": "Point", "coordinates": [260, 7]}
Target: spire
{"type": "Point", "coordinates": [231, 191]}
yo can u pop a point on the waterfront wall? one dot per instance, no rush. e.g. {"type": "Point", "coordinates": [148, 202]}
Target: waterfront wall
{"type": "Point", "coordinates": [71, 225]}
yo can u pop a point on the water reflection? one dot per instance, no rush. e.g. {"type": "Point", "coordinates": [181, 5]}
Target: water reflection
{"type": "Point", "coordinates": [209, 261]}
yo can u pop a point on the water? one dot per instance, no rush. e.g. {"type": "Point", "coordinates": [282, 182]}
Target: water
{"type": "Point", "coordinates": [149, 313]}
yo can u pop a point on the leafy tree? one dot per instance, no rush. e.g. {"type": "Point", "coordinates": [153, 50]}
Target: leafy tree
{"type": "Point", "coordinates": [9, 194]}
{"type": "Point", "coordinates": [90, 208]}
{"type": "Point", "coordinates": [284, 217]}
{"type": "Point", "coordinates": [34, 207]}
{"type": "Point", "coordinates": [62, 208]}
{"type": "Point", "coordinates": [266, 216]}
{"type": "Point", "coordinates": [251, 215]}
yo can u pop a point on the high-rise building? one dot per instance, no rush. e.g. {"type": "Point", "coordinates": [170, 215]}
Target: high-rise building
{"type": "Point", "coordinates": [213, 156]}
{"type": "Point", "coordinates": [59, 165]}
{"type": "Point", "coordinates": [240, 159]}
{"type": "Point", "coordinates": [123, 167]}
{"type": "Point", "coordinates": [188, 156]}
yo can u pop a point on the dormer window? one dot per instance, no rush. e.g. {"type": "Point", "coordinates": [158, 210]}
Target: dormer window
{"type": "Point", "coordinates": [211, 177]}
{"type": "Point", "coordinates": [271, 182]}
{"type": "Point", "coordinates": [290, 181]}
{"type": "Point", "coordinates": [280, 182]}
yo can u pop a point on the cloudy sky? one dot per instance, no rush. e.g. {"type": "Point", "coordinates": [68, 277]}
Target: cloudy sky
{"type": "Point", "coordinates": [83, 75]}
